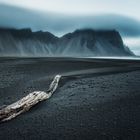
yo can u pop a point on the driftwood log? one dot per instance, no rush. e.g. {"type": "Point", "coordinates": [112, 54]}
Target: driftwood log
{"type": "Point", "coordinates": [11, 111]}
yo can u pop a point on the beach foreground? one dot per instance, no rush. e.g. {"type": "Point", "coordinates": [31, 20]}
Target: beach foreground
{"type": "Point", "coordinates": [96, 99]}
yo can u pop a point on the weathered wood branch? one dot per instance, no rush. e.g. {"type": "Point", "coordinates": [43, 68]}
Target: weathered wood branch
{"type": "Point", "coordinates": [11, 111]}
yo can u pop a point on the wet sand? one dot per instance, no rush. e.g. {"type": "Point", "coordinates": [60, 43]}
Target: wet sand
{"type": "Point", "coordinates": [96, 99]}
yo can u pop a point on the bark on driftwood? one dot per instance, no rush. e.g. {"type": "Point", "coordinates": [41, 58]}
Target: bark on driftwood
{"type": "Point", "coordinates": [11, 111]}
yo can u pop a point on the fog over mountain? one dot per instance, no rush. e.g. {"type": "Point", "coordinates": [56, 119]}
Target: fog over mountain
{"type": "Point", "coordinates": [81, 43]}
{"type": "Point", "coordinates": [19, 17]}
{"type": "Point", "coordinates": [60, 24]}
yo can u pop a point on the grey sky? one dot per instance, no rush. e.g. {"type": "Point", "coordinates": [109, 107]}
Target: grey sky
{"type": "Point", "coordinates": [124, 7]}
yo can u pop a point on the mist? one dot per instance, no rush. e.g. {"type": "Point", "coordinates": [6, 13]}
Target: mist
{"type": "Point", "coordinates": [60, 24]}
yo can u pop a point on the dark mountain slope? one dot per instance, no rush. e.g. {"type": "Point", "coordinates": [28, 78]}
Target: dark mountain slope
{"type": "Point", "coordinates": [81, 43]}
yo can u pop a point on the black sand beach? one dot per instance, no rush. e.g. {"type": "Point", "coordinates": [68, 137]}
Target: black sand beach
{"type": "Point", "coordinates": [97, 99]}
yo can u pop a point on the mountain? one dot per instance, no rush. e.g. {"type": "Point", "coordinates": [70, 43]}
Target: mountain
{"type": "Point", "coordinates": [81, 43]}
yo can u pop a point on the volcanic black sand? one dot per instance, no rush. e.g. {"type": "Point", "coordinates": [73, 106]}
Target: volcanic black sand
{"type": "Point", "coordinates": [97, 99]}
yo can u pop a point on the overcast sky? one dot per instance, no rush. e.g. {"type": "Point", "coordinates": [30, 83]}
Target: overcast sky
{"type": "Point", "coordinates": [62, 16]}
{"type": "Point", "coordinates": [123, 7]}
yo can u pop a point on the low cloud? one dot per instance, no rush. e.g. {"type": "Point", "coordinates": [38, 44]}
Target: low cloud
{"type": "Point", "coordinates": [60, 24]}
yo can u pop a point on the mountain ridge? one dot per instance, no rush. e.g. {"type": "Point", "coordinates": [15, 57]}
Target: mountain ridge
{"type": "Point", "coordinates": [82, 42]}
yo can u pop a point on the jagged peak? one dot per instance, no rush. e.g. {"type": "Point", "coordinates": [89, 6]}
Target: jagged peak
{"type": "Point", "coordinates": [92, 40]}
{"type": "Point", "coordinates": [89, 31]}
